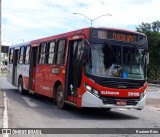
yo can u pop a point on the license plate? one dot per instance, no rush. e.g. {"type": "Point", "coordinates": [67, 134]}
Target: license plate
{"type": "Point", "coordinates": [121, 102]}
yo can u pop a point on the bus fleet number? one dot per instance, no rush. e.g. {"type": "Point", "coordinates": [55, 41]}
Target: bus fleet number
{"type": "Point", "coordinates": [135, 94]}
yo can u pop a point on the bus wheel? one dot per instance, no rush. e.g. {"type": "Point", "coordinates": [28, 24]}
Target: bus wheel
{"type": "Point", "coordinates": [60, 97]}
{"type": "Point", "coordinates": [20, 86]}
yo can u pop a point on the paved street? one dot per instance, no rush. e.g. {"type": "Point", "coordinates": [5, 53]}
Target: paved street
{"type": "Point", "coordinates": [31, 111]}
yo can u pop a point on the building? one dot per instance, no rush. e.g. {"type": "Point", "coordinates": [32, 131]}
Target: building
{"type": "Point", "coordinates": [4, 54]}
{"type": "Point", "coordinates": [4, 47]}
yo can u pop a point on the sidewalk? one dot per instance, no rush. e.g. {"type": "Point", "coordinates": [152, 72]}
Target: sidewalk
{"type": "Point", "coordinates": [154, 85]}
{"type": "Point", "coordinates": [153, 104]}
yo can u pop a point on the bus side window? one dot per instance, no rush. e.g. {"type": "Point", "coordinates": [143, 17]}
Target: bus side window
{"type": "Point", "coordinates": [11, 56]}
{"type": "Point", "coordinates": [51, 53]}
{"type": "Point", "coordinates": [27, 53]}
{"type": "Point", "coordinates": [42, 53]}
{"type": "Point", "coordinates": [21, 55]}
{"type": "Point", "coordinates": [61, 47]}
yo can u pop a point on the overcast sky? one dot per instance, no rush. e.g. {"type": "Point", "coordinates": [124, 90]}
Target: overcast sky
{"type": "Point", "coordinates": [25, 20]}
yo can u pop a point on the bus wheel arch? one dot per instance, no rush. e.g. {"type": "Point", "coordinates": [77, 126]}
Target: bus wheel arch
{"type": "Point", "coordinates": [57, 83]}
{"type": "Point", "coordinates": [21, 85]}
{"type": "Point", "coordinates": [59, 95]}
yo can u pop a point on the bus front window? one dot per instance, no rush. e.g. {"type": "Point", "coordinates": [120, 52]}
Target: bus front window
{"type": "Point", "coordinates": [117, 61]}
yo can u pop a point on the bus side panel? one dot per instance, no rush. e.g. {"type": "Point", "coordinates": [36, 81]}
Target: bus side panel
{"type": "Point", "coordinates": [33, 80]}
{"type": "Point", "coordinates": [9, 73]}
{"type": "Point", "coordinates": [25, 80]}
{"type": "Point", "coordinates": [49, 81]}
{"type": "Point", "coordinates": [15, 77]}
{"type": "Point", "coordinates": [39, 77]}
{"type": "Point", "coordinates": [52, 78]}
{"type": "Point", "coordinates": [45, 80]}
{"type": "Point", "coordinates": [19, 72]}
{"type": "Point", "coordinates": [25, 75]}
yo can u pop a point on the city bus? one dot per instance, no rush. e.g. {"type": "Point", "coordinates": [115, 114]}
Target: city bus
{"type": "Point", "coordinates": [89, 67]}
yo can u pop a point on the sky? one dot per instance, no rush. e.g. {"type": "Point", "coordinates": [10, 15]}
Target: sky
{"type": "Point", "coordinates": [26, 20]}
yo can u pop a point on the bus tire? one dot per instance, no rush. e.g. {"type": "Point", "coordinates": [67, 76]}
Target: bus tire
{"type": "Point", "coordinates": [60, 97]}
{"type": "Point", "coordinates": [20, 86]}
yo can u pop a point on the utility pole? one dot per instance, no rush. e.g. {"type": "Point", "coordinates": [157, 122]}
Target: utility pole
{"type": "Point", "coordinates": [0, 37]}
{"type": "Point", "coordinates": [91, 20]}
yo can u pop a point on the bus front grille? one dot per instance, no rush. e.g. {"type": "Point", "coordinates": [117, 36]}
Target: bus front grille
{"type": "Point", "coordinates": [121, 84]}
{"type": "Point", "coordinates": [112, 101]}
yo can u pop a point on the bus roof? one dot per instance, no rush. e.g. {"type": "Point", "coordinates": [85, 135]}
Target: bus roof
{"type": "Point", "coordinates": [18, 45]}
{"type": "Point", "coordinates": [71, 33]}
{"type": "Point", "coordinates": [80, 31]}
{"type": "Point", "coordinates": [63, 35]}
{"type": "Point", "coordinates": [119, 29]}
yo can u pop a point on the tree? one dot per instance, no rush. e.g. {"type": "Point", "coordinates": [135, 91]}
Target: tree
{"type": "Point", "coordinates": [152, 32]}
{"type": "Point", "coordinates": [147, 27]}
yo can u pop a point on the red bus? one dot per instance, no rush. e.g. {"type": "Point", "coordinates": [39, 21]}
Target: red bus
{"type": "Point", "coordinates": [90, 67]}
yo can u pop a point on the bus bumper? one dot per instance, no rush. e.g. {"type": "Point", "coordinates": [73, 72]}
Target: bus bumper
{"type": "Point", "coordinates": [89, 100]}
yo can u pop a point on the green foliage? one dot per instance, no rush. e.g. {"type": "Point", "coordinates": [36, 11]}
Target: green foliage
{"type": "Point", "coordinates": [153, 34]}
{"type": "Point", "coordinates": [147, 27]}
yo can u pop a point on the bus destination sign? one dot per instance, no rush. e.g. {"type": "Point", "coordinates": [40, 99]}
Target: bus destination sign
{"type": "Point", "coordinates": [118, 35]}
{"type": "Point", "coordinates": [124, 37]}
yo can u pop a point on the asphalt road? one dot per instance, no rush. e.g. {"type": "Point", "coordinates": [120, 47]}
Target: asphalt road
{"type": "Point", "coordinates": [32, 111]}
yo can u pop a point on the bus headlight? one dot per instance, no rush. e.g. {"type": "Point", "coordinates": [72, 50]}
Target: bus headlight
{"type": "Point", "coordinates": [92, 90]}
{"type": "Point", "coordinates": [142, 94]}
{"type": "Point", "coordinates": [88, 88]}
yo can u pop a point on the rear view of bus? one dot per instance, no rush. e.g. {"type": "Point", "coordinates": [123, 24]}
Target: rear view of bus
{"type": "Point", "coordinates": [115, 72]}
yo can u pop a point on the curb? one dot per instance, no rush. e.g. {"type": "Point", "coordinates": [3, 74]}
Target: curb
{"type": "Point", "coordinates": [1, 99]}
{"type": "Point", "coordinates": [1, 108]}
{"type": "Point", "coordinates": [154, 85]}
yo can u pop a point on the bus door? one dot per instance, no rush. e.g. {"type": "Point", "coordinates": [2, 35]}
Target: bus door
{"type": "Point", "coordinates": [32, 69]}
{"type": "Point", "coordinates": [14, 72]}
{"type": "Point", "coordinates": [72, 75]}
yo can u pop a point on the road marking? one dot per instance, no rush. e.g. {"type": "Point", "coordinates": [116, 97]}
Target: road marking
{"type": "Point", "coordinates": [5, 115]}
{"type": "Point", "coordinates": [29, 102]}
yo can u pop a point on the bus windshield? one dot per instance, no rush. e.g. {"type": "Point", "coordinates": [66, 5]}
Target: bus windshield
{"type": "Point", "coordinates": [127, 62]}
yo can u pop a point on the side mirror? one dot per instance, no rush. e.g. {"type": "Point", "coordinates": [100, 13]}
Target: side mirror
{"type": "Point", "coordinates": [146, 52]}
